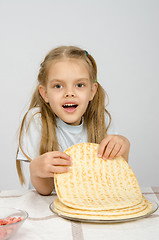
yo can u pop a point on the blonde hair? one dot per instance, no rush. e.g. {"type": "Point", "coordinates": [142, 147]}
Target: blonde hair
{"type": "Point", "coordinates": [94, 117]}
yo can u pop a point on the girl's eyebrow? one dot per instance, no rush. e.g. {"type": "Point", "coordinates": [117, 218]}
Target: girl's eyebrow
{"type": "Point", "coordinates": [60, 80]}
{"type": "Point", "coordinates": [55, 80]}
{"type": "Point", "coordinates": [81, 79]}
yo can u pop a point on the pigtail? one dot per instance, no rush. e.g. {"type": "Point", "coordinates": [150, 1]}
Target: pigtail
{"type": "Point", "coordinates": [19, 171]}
{"type": "Point", "coordinates": [48, 132]}
{"type": "Point", "coordinates": [95, 117]}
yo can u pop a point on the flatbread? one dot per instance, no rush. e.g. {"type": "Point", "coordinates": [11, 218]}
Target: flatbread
{"type": "Point", "coordinates": [115, 212]}
{"type": "Point", "coordinates": [96, 184]}
{"type": "Point", "coordinates": [102, 216]}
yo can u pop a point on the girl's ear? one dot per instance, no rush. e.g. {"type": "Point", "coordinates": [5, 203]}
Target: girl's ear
{"type": "Point", "coordinates": [43, 93]}
{"type": "Point", "coordinates": [94, 88]}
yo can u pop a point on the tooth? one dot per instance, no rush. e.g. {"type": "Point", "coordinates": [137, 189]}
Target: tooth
{"type": "Point", "coordinates": [69, 104]}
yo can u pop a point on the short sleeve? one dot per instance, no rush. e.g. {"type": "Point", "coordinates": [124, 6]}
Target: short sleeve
{"type": "Point", "coordinates": [31, 136]}
{"type": "Point", "coordinates": [111, 130]}
{"type": "Point", "coordinates": [26, 174]}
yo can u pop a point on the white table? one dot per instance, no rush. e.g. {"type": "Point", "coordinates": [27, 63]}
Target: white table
{"type": "Point", "coordinates": [43, 224]}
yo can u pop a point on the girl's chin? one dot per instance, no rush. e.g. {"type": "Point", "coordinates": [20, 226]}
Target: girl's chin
{"type": "Point", "coordinates": [74, 123]}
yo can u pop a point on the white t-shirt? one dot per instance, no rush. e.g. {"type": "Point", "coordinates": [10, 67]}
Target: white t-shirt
{"type": "Point", "coordinates": [67, 136]}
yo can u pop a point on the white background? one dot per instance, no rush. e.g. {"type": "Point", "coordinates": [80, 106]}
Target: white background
{"type": "Point", "coordinates": [123, 37]}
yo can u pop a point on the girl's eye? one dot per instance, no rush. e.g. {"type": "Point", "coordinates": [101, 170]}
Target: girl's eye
{"type": "Point", "coordinates": [58, 86]}
{"type": "Point", "coordinates": [80, 85]}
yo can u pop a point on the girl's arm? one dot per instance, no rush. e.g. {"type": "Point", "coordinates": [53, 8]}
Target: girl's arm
{"type": "Point", "coordinates": [114, 146]}
{"type": "Point", "coordinates": [44, 186]}
{"type": "Point", "coordinates": [42, 170]}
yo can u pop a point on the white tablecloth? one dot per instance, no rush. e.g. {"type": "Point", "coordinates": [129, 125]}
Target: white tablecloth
{"type": "Point", "coordinates": [42, 224]}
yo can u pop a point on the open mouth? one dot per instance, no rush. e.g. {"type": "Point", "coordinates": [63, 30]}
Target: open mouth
{"type": "Point", "coordinates": [70, 106]}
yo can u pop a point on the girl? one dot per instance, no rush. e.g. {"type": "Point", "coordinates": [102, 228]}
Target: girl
{"type": "Point", "coordinates": [67, 107]}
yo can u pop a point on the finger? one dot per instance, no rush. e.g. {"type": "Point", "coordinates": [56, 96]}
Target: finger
{"type": "Point", "coordinates": [109, 148]}
{"type": "Point", "coordinates": [60, 155]}
{"type": "Point", "coordinates": [121, 151]}
{"type": "Point", "coordinates": [60, 161]}
{"type": "Point", "coordinates": [103, 145]}
{"type": "Point", "coordinates": [58, 169]}
{"type": "Point", "coordinates": [115, 151]}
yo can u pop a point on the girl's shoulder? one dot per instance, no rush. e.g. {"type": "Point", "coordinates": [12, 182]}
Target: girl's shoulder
{"type": "Point", "coordinates": [33, 117]}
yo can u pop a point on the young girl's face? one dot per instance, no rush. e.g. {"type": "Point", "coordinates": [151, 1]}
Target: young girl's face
{"type": "Point", "coordinates": [68, 90]}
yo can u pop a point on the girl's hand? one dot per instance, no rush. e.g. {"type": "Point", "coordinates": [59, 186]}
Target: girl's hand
{"type": "Point", "coordinates": [114, 146]}
{"type": "Point", "coordinates": [49, 163]}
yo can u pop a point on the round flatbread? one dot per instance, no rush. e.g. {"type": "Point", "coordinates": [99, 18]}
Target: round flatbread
{"type": "Point", "coordinates": [96, 184]}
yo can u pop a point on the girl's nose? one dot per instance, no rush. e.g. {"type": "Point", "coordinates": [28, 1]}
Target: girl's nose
{"type": "Point", "coordinates": [69, 93]}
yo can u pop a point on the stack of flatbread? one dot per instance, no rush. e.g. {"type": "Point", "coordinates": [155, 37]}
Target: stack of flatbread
{"type": "Point", "coordinates": [98, 189]}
